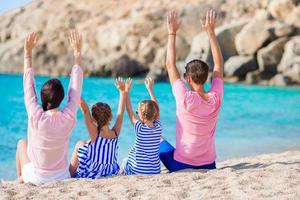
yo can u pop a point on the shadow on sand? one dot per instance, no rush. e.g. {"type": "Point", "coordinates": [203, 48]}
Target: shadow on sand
{"type": "Point", "coordinates": [246, 165]}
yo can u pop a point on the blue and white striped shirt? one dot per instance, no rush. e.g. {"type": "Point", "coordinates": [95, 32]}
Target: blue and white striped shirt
{"type": "Point", "coordinates": [98, 159]}
{"type": "Point", "coordinates": [143, 158]}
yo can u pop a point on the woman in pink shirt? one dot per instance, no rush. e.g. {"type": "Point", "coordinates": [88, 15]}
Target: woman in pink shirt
{"type": "Point", "coordinates": [196, 110]}
{"type": "Point", "coordinates": [43, 157]}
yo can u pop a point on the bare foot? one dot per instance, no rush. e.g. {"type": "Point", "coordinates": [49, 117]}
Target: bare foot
{"type": "Point", "coordinates": [121, 172]}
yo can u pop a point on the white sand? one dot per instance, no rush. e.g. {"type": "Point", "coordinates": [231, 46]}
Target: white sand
{"type": "Point", "coordinates": [272, 176]}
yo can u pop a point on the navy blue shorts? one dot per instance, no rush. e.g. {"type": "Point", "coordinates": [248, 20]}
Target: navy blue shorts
{"type": "Point", "coordinates": [166, 155]}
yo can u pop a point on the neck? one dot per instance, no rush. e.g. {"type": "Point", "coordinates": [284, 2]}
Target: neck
{"type": "Point", "coordinates": [54, 110]}
{"type": "Point", "coordinates": [105, 128]}
{"type": "Point", "coordinates": [149, 123]}
{"type": "Point", "coordinates": [197, 88]}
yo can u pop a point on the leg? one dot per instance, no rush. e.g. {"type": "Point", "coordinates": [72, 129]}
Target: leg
{"type": "Point", "coordinates": [21, 156]}
{"type": "Point", "coordinates": [166, 151]}
{"type": "Point", "coordinates": [207, 167]}
{"type": "Point", "coordinates": [18, 163]}
{"type": "Point", "coordinates": [166, 155]}
{"type": "Point", "coordinates": [21, 159]}
{"type": "Point", "coordinates": [122, 167]}
{"type": "Point", "coordinates": [74, 159]}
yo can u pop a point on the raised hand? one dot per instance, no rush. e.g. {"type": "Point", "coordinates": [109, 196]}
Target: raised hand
{"type": "Point", "coordinates": [149, 82]}
{"type": "Point", "coordinates": [75, 40]}
{"type": "Point", "coordinates": [120, 84]}
{"type": "Point", "coordinates": [173, 25]}
{"type": "Point", "coordinates": [172, 22]}
{"type": "Point", "coordinates": [210, 21]}
{"type": "Point", "coordinates": [30, 42]}
{"type": "Point", "coordinates": [128, 84]}
{"type": "Point", "coordinates": [209, 26]}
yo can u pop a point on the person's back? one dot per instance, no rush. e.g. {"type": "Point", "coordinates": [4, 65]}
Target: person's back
{"type": "Point", "coordinates": [196, 120]}
{"type": "Point", "coordinates": [143, 158]}
{"type": "Point", "coordinates": [196, 110]}
{"type": "Point", "coordinates": [98, 157]}
{"type": "Point", "coordinates": [43, 157]}
{"type": "Point", "coordinates": [48, 139]}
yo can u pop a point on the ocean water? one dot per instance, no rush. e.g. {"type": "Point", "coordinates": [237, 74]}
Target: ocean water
{"type": "Point", "coordinates": [253, 119]}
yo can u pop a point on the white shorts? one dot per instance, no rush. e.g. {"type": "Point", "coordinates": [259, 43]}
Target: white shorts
{"type": "Point", "coordinates": [30, 175]}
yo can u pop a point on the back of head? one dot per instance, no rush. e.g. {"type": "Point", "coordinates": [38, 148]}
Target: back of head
{"type": "Point", "coordinates": [52, 94]}
{"type": "Point", "coordinates": [149, 110]}
{"type": "Point", "coordinates": [101, 112]}
{"type": "Point", "coordinates": [197, 70]}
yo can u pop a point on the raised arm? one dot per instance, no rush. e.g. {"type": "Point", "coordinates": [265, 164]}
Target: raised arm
{"type": "Point", "coordinates": [130, 112]}
{"type": "Point", "coordinates": [92, 128]}
{"type": "Point", "coordinates": [75, 84]}
{"type": "Point", "coordinates": [30, 98]}
{"type": "Point", "coordinates": [209, 27]}
{"type": "Point", "coordinates": [149, 82]}
{"type": "Point", "coordinates": [120, 84]}
{"type": "Point", "coordinates": [173, 25]}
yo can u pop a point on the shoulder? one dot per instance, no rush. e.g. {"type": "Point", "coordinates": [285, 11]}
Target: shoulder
{"type": "Point", "coordinates": [179, 83]}
{"type": "Point", "coordinates": [179, 90]}
{"type": "Point", "coordinates": [157, 122]}
{"type": "Point", "coordinates": [68, 114]}
{"type": "Point", "coordinates": [217, 83]}
{"type": "Point", "coordinates": [217, 80]}
{"type": "Point", "coordinates": [217, 86]}
{"type": "Point", "coordinates": [138, 125]}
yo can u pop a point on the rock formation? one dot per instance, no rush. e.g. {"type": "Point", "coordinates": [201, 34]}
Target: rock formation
{"type": "Point", "coordinates": [259, 38]}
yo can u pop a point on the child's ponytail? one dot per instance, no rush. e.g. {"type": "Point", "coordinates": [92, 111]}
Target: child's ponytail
{"type": "Point", "coordinates": [149, 110]}
{"type": "Point", "coordinates": [101, 112]}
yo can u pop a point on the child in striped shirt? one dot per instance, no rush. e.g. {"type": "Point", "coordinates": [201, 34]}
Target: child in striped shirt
{"type": "Point", "coordinates": [98, 157]}
{"type": "Point", "coordinates": [143, 158]}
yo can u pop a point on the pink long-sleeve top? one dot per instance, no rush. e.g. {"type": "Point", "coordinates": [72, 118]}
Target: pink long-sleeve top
{"type": "Point", "coordinates": [49, 131]}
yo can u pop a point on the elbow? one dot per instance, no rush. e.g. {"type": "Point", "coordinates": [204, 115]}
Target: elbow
{"type": "Point", "coordinates": [117, 131]}
{"type": "Point", "coordinates": [85, 111]}
{"type": "Point", "coordinates": [169, 64]}
{"type": "Point", "coordinates": [132, 119]}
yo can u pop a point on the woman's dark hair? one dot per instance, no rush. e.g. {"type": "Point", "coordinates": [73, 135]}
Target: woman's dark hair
{"type": "Point", "coordinates": [197, 70]}
{"type": "Point", "coordinates": [52, 94]}
{"type": "Point", "coordinates": [101, 112]}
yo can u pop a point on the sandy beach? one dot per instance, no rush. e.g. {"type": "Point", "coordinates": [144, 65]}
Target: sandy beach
{"type": "Point", "coordinates": [269, 176]}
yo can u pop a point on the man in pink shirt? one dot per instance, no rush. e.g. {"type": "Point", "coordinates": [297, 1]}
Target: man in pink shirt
{"type": "Point", "coordinates": [43, 157]}
{"type": "Point", "coordinates": [196, 110]}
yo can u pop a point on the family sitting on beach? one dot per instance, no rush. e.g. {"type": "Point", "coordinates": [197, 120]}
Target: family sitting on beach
{"type": "Point", "coordinates": [43, 156]}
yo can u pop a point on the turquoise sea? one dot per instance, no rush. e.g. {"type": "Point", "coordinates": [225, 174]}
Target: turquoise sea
{"type": "Point", "coordinates": [253, 119]}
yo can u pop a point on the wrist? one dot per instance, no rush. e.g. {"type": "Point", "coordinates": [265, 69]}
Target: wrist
{"type": "Point", "coordinates": [27, 53]}
{"type": "Point", "coordinates": [172, 33]}
{"type": "Point", "coordinates": [211, 33]}
{"type": "Point", "coordinates": [77, 54]}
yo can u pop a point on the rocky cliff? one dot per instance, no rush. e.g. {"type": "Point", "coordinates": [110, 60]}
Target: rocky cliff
{"type": "Point", "coordinates": [259, 39]}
